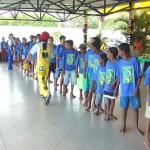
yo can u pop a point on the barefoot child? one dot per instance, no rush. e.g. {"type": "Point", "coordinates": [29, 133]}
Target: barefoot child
{"type": "Point", "coordinates": [26, 51]}
{"type": "Point", "coordinates": [69, 68]}
{"type": "Point", "coordinates": [110, 87]}
{"type": "Point", "coordinates": [147, 113]}
{"type": "Point", "coordinates": [130, 76]}
{"type": "Point", "coordinates": [87, 73]}
{"type": "Point", "coordinates": [101, 74]}
{"type": "Point", "coordinates": [59, 54]}
{"type": "Point", "coordinates": [80, 66]}
{"type": "Point", "coordinates": [95, 62]}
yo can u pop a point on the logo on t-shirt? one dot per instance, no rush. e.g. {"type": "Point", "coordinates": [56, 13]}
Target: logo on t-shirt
{"type": "Point", "coordinates": [110, 73]}
{"type": "Point", "coordinates": [90, 65]}
{"type": "Point", "coordinates": [81, 63]}
{"type": "Point", "coordinates": [70, 59]}
{"type": "Point", "coordinates": [101, 78]}
{"type": "Point", "coordinates": [53, 55]}
{"type": "Point", "coordinates": [96, 63]}
{"type": "Point", "coordinates": [128, 74]}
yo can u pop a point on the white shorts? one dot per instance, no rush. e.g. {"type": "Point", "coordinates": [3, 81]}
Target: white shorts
{"type": "Point", "coordinates": [147, 112]}
{"type": "Point", "coordinates": [23, 57]}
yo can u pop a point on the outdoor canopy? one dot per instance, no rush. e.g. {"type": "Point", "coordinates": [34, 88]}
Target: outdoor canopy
{"type": "Point", "coordinates": [62, 10]}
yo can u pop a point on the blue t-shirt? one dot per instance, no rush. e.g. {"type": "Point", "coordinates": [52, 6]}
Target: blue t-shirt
{"type": "Point", "coordinates": [69, 58]}
{"type": "Point", "coordinates": [95, 62]}
{"type": "Point", "coordinates": [147, 79]}
{"type": "Point", "coordinates": [111, 75]}
{"type": "Point", "coordinates": [101, 75]}
{"type": "Point", "coordinates": [129, 71]}
{"type": "Point", "coordinates": [3, 45]}
{"type": "Point", "coordinates": [22, 46]}
{"type": "Point", "coordinates": [31, 44]}
{"type": "Point", "coordinates": [53, 55]}
{"type": "Point", "coordinates": [89, 57]}
{"type": "Point", "coordinates": [59, 52]}
{"type": "Point", "coordinates": [80, 62]}
{"type": "Point", "coordinates": [26, 51]}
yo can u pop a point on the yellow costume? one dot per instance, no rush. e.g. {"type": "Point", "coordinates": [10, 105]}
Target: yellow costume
{"type": "Point", "coordinates": [42, 69]}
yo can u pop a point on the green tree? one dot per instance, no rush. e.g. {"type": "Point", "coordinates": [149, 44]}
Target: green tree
{"type": "Point", "coordinates": [142, 27]}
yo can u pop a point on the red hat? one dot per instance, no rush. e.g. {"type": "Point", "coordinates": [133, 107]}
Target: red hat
{"type": "Point", "coordinates": [45, 36]}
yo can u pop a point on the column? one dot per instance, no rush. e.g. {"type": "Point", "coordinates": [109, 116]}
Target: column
{"type": "Point", "coordinates": [131, 27]}
{"type": "Point", "coordinates": [85, 27]}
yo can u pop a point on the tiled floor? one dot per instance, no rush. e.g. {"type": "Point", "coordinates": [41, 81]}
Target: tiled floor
{"type": "Point", "coordinates": [27, 124]}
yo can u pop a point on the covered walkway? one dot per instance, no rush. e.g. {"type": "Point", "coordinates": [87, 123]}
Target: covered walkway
{"type": "Point", "coordinates": [27, 124]}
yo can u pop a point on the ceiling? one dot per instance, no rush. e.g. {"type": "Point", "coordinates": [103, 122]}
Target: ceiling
{"type": "Point", "coordinates": [63, 10]}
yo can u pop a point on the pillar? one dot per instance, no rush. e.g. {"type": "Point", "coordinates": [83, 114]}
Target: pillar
{"type": "Point", "coordinates": [85, 27]}
{"type": "Point", "coordinates": [131, 27]}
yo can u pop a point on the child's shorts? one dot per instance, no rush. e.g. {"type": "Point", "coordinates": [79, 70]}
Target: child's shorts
{"type": "Point", "coordinates": [80, 81]}
{"type": "Point", "coordinates": [14, 57]}
{"type": "Point", "coordinates": [52, 67]}
{"type": "Point", "coordinates": [23, 57]}
{"type": "Point", "coordinates": [70, 76]}
{"type": "Point", "coordinates": [87, 80]}
{"type": "Point", "coordinates": [147, 112]}
{"type": "Point", "coordinates": [125, 100]}
{"type": "Point", "coordinates": [57, 72]}
{"type": "Point", "coordinates": [109, 95]}
{"type": "Point", "coordinates": [99, 97]}
{"type": "Point", "coordinates": [92, 86]}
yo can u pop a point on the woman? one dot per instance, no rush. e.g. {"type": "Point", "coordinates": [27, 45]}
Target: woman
{"type": "Point", "coordinates": [42, 68]}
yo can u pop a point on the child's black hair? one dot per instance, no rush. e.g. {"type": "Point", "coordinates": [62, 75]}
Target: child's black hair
{"type": "Point", "coordinates": [27, 44]}
{"type": "Point", "coordinates": [114, 51]}
{"type": "Point", "coordinates": [125, 47]}
{"type": "Point", "coordinates": [70, 42]}
{"type": "Point", "coordinates": [96, 45]}
{"type": "Point", "coordinates": [62, 37]}
{"type": "Point", "coordinates": [97, 40]}
{"type": "Point", "coordinates": [104, 57]}
{"type": "Point", "coordinates": [51, 37]}
{"type": "Point", "coordinates": [83, 46]}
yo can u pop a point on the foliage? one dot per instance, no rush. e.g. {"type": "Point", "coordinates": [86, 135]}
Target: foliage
{"type": "Point", "coordinates": [142, 27]}
{"type": "Point", "coordinates": [27, 23]}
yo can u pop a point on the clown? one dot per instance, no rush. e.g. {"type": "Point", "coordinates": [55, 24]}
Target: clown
{"type": "Point", "coordinates": [43, 56]}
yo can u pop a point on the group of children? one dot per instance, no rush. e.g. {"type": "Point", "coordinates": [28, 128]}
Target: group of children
{"type": "Point", "coordinates": [98, 74]}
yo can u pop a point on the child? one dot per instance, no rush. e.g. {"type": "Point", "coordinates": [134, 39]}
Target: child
{"type": "Point", "coordinates": [147, 113]}
{"type": "Point", "coordinates": [3, 49]}
{"type": "Point", "coordinates": [25, 53]}
{"type": "Point", "coordinates": [33, 57]}
{"type": "Point", "coordinates": [95, 63]}
{"type": "Point", "coordinates": [111, 86]}
{"type": "Point", "coordinates": [138, 46]}
{"type": "Point", "coordinates": [87, 73]}
{"type": "Point", "coordinates": [52, 67]}
{"type": "Point", "coordinates": [130, 76]}
{"type": "Point", "coordinates": [80, 66]}
{"type": "Point", "coordinates": [101, 74]}
{"type": "Point", "coordinates": [22, 47]}
{"type": "Point", "coordinates": [69, 68]}
{"type": "Point", "coordinates": [59, 54]}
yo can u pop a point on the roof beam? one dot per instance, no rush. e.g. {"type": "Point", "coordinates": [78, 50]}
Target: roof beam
{"type": "Point", "coordinates": [12, 4]}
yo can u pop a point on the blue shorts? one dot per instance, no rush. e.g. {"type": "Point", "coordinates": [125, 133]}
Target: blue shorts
{"type": "Point", "coordinates": [57, 72]}
{"type": "Point", "coordinates": [125, 100]}
{"type": "Point", "coordinates": [92, 86]}
{"type": "Point", "coordinates": [99, 97]}
{"type": "Point", "coordinates": [70, 76]}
